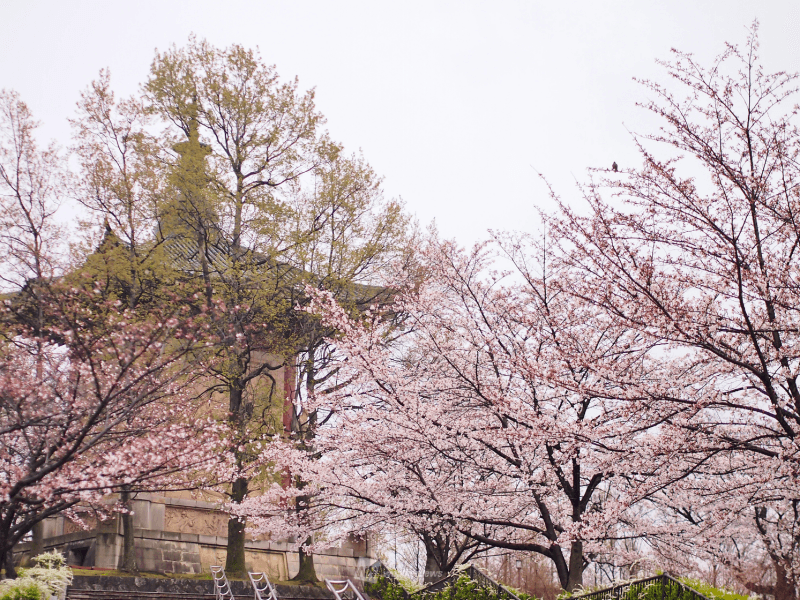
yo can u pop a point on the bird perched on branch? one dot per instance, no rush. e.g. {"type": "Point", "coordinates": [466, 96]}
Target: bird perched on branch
{"type": "Point", "coordinates": [614, 167]}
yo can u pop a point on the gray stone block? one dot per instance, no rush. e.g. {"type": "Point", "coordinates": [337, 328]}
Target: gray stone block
{"type": "Point", "coordinates": [157, 516]}
{"type": "Point", "coordinates": [189, 558]}
{"type": "Point", "coordinates": [171, 555]}
{"type": "Point", "coordinates": [282, 546]}
{"type": "Point", "coordinates": [163, 566]}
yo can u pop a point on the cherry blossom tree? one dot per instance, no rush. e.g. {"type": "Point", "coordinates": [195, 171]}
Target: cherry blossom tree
{"type": "Point", "coordinates": [743, 539]}
{"type": "Point", "coordinates": [488, 418]}
{"type": "Point", "coordinates": [697, 253]}
{"type": "Point", "coordinates": [95, 397]}
{"type": "Point", "coordinates": [264, 202]}
{"type": "Point", "coordinates": [30, 179]}
{"type": "Point", "coordinates": [103, 401]}
{"type": "Point", "coordinates": [642, 385]}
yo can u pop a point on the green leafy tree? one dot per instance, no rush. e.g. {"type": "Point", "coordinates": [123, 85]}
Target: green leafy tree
{"type": "Point", "coordinates": [121, 183]}
{"type": "Point", "coordinates": [262, 203]}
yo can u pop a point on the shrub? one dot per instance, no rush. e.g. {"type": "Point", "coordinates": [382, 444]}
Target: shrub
{"type": "Point", "coordinates": [463, 588]}
{"type": "Point", "coordinates": [712, 592]}
{"type": "Point", "coordinates": [23, 588]}
{"type": "Point", "coordinates": [50, 577]}
{"type": "Point", "coordinates": [52, 571]}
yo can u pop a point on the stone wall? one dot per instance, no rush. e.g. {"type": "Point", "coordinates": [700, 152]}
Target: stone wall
{"type": "Point", "coordinates": [200, 521]}
{"type": "Point", "coordinates": [186, 536]}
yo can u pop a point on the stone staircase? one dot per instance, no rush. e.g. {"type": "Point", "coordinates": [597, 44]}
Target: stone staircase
{"type": "Point", "coordinates": [140, 588]}
{"type": "Point", "coordinates": [133, 595]}
{"type": "Point", "coordinates": [140, 595]}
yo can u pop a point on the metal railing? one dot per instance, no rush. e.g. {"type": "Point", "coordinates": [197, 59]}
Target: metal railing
{"type": "Point", "coordinates": [660, 587]}
{"type": "Point", "coordinates": [262, 586]}
{"type": "Point", "coordinates": [476, 575]}
{"type": "Point", "coordinates": [343, 589]}
{"type": "Point", "coordinates": [222, 587]}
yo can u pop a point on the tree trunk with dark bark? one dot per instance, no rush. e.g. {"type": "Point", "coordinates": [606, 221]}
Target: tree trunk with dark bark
{"type": "Point", "coordinates": [7, 560]}
{"type": "Point", "coordinates": [433, 569]}
{"type": "Point", "coordinates": [575, 580]}
{"type": "Point", "coordinates": [235, 558]}
{"type": "Point", "coordinates": [127, 561]}
{"type": "Point", "coordinates": [307, 572]}
{"type": "Point", "coordinates": [782, 589]}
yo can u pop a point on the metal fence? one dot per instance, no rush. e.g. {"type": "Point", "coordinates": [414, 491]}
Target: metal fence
{"type": "Point", "coordinates": [343, 589]}
{"type": "Point", "coordinates": [660, 587]}
{"type": "Point", "coordinates": [222, 587]}
{"type": "Point", "coordinates": [262, 586]}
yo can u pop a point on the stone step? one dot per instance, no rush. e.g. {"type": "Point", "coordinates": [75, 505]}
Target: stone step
{"type": "Point", "coordinates": [133, 595]}
{"type": "Point", "coordinates": [86, 587]}
{"type": "Point", "coordinates": [139, 595]}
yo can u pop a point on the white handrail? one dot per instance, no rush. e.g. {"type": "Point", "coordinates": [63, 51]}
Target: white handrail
{"type": "Point", "coordinates": [345, 583]}
{"type": "Point", "coordinates": [261, 584]}
{"type": "Point", "coordinates": [222, 587]}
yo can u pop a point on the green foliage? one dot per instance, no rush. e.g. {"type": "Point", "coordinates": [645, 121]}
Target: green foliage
{"type": "Point", "coordinates": [408, 584]}
{"type": "Point", "coordinates": [712, 592]}
{"type": "Point", "coordinates": [654, 591]}
{"type": "Point", "coordinates": [672, 591]}
{"type": "Point", "coordinates": [464, 588]}
{"type": "Point", "coordinates": [23, 588]}
{"type": "Point", "coordinates": [386, 589]}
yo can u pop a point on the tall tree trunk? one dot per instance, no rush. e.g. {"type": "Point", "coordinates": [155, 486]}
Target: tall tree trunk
{"type": "Point", "coordinates": [437, 556]}
{"type": "Point", "coordinates": [306, 572]}
{"type": "Point", "coordinates": [784, 588]}
{"type": "Point", "coordinates": [433, 569]}
{"type": "Point", "coordinates": [7, 560]}
{"type": "Point", "coordinates": [575, 579]}
{"type": "Point", "coordinates": [234, 559]}
{"type": "Point", "coordinates": [127, 561]}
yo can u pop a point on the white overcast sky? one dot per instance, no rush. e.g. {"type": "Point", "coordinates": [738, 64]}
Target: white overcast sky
{"type": "Point", "coordinates": [457, 104]}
